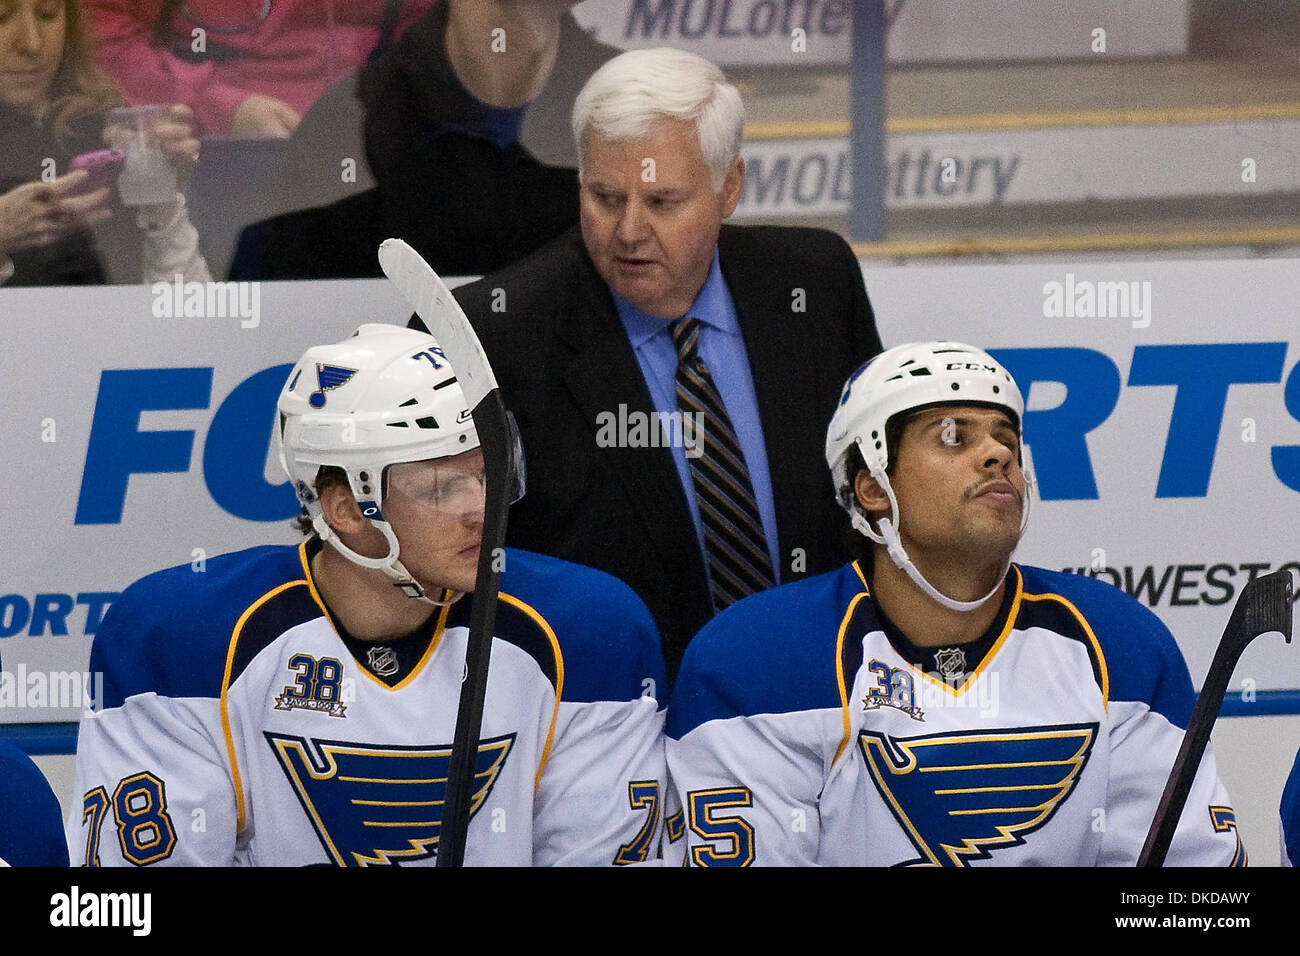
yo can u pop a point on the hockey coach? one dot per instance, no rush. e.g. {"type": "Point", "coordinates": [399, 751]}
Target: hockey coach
{"type": "Point", "coordinates": [671, 373]}
{"type": "Point", "coordinates": [932, 703]}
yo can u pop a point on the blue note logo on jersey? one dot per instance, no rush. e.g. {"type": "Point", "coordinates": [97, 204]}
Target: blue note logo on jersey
{"type": "Point", "coordinates": [327, 377]}
{"type": "Point", "coordinates": [959, 795]}
{"type": "Point", "coordinates": [375, 804]}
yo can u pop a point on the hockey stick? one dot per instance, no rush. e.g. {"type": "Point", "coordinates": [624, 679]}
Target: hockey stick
{"type": "Point", "coordinates": [427, 294]}
{"type": "Point", "coordinates": [1264, 606]}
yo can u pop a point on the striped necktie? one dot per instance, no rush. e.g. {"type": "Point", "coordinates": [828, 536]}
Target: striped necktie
{"type": "Point", "coordinates": [734, 544]}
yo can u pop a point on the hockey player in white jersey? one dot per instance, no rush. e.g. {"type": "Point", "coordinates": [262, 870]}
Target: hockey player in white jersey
{"type": "Point", "coordinates": [932, 703]}
{"type": "Point", "coordinates": [296, 706]}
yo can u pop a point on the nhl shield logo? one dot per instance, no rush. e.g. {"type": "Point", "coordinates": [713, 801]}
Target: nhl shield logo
{"type": "Point", "coordinates": [951, 663]}
{"type": "Point", "coordinates": [382, 661]}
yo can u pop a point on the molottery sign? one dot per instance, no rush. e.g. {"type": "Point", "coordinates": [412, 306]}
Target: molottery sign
{"type": "Point", "coordinates": [820, 31]}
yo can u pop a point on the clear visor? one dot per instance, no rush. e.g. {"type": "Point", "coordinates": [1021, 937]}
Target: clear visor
{"type": "Point", "coordinates": [457, 485]}
{"type": "Point", "coordinates": [453, 486]}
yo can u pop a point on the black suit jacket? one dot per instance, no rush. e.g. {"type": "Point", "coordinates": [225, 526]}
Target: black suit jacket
{"type": "Point", "coordinates": [561, 356]}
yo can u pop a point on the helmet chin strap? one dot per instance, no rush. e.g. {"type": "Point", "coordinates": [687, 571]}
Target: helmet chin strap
{"type": "Point", "coordinates": [888, 536]}
{"type": "Point", "coordinates": [389, 564]}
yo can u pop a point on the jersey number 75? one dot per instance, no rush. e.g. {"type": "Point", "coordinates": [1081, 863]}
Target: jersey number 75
{"type": "Point", "coordinates": [731, 838]}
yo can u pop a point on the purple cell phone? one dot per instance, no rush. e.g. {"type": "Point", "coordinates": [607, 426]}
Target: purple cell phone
{"type": "Point", "coordinates": [103, 165]}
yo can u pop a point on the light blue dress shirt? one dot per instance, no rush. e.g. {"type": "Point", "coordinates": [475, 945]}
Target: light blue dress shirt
{"type": "Point", "coordinates": [723, 349]}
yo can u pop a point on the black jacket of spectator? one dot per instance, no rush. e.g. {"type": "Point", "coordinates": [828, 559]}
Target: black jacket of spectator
{"type": "Point", "coordinates": [468, 205]}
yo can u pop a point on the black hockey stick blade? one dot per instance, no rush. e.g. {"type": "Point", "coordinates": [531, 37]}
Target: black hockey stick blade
{"type": "Point", "coordinates": [427, 294]}
{"type": "Point", "coordinates": [1263, 606]}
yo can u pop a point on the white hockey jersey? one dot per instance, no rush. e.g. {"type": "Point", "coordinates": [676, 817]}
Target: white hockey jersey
{"type": "Point", "coordinates": [805, 729]}
{"type": "Point", "coordinates": [239, 727]}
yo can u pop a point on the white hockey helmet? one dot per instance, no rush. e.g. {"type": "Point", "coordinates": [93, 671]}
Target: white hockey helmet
{"type": "Point", "coordinates": [900, 381]}
{"type": "Point", "coordinates": [383, 396]}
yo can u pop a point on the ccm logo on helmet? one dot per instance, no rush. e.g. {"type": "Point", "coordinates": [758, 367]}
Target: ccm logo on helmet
{"type": "Point", "coordinates": [971, 366]}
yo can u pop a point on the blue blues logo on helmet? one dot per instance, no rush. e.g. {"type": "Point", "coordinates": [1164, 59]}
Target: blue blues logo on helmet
{"type": "Point", "coordinates": [327, 377]}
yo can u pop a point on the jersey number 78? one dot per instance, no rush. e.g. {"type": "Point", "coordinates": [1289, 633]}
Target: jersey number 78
{"type": "Point", "coordinates": [144, 828]}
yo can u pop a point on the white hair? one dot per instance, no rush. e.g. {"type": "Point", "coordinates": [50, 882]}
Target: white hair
{"type": "Point", "coordinates": [629, 94]}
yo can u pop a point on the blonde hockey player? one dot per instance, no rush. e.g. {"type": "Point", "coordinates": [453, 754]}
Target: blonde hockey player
{"type": "Point", "coordinates": [296, 706]}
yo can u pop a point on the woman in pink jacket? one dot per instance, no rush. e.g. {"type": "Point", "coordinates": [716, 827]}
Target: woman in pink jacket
{"type": "Point", "coordinates": [246, 67]}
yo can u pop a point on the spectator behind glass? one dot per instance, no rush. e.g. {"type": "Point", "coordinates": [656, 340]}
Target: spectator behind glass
{"type": "Point", "coordinates": [53, 101]}
{"type": "Point", "coordinates": [442, 113]}
{"type": "Point", "coordinates": [546, 47]}
{"type": "Point", "coordinates": [246, 67]}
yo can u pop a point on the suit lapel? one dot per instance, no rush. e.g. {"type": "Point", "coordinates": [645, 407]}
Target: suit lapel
{"type": "Point", "coordinates": [604, 374]}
